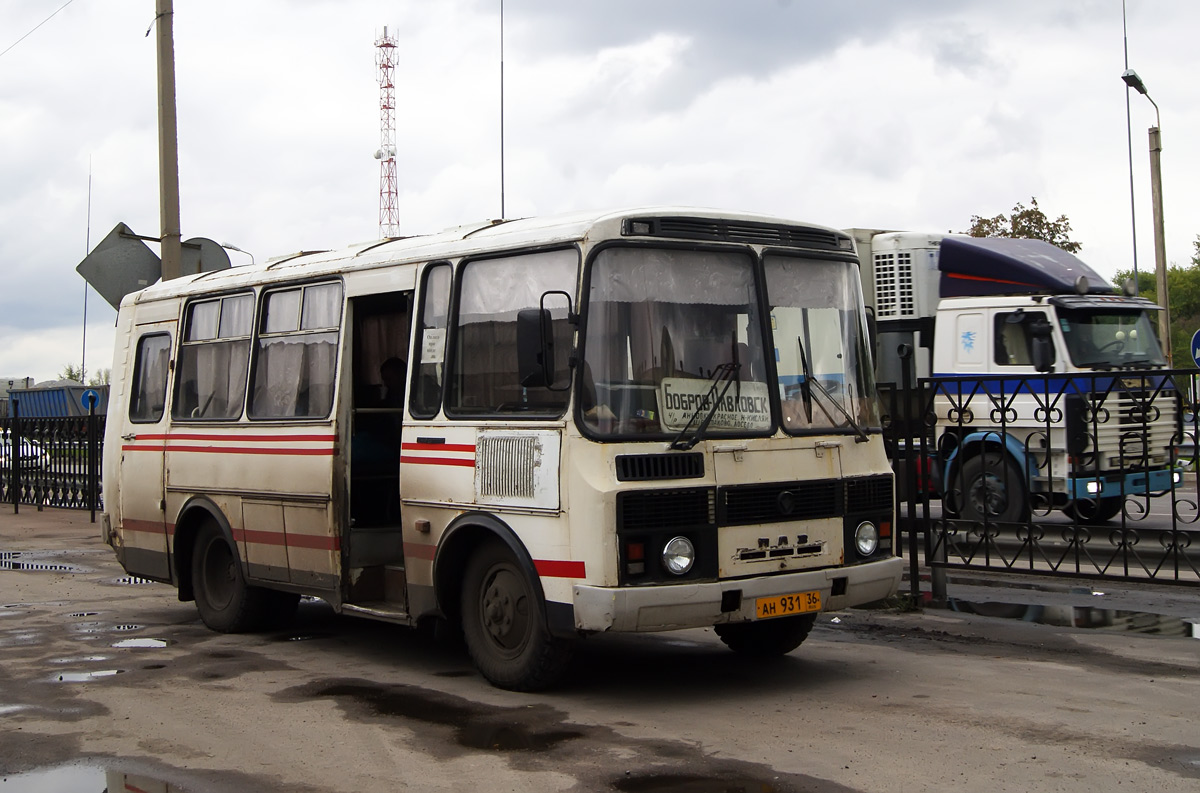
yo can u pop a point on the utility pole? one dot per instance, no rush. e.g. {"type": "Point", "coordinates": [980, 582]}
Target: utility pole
{"type": "Point", "coordinates": [168, 144]}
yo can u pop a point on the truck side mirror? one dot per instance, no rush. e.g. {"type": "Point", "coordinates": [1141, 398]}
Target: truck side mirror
{"type": "Point", "coordinates": [1042, 345]}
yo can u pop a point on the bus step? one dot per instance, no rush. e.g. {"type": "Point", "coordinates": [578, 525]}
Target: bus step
{"type": "Point", "coordinates": [388, 612]}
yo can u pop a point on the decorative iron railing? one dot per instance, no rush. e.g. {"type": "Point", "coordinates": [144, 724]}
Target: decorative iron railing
{"type": "Point", "coordinates": [51, 462]}
{"type": "Point", "coordinates": [1082, 474]}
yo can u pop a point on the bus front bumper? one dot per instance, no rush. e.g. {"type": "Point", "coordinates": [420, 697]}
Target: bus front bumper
{"type": "Point", "coordinates": [672, 606]}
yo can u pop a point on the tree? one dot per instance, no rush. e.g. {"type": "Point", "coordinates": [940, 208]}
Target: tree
{"type": "Point", "coordinates": [1183, 285]}
{"type": "Point", "coordinates": [1027, 223]}
{"type": "Point", "coordinates": [101, 377]}
{"type": "Point", "coordinates": [72, 372]}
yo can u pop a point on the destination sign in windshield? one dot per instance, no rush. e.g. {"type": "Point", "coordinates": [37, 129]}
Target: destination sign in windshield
{"type": "Point", "coordinates": [745, 406]}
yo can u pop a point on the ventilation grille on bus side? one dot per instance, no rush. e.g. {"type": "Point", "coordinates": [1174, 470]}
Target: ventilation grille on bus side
{"type": "Point", "coordinates": [737, 231]}
{"type": "Point", "coordinates": [643, 467]}
{"type": "Point", "coordinates": [641, 510]}
{"type": "Point", "coordinates": [506, 466]}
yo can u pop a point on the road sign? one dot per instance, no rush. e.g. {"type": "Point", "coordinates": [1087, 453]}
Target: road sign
{"type": "Point", "coordinates": [1196, 347]}
{"type": "Point", "coordinates": [120, 264]}
{"type": "Point", "coordinates": [90, 398]}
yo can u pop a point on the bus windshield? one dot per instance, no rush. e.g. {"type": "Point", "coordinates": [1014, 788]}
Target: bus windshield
{"type": "Point", "coordinates": [673, 342]}
{"type": "Point", "coordinates": [1104, 338]}
{"type": "Point", "coordinates": [824, 370]}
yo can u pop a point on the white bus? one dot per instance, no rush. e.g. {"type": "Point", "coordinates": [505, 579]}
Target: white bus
{"type": "Point", "coordinates": [536, 429]}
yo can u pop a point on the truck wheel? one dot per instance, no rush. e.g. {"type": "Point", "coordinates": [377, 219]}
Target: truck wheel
{"type": "Point", "coordinates": [503, 624]}
{"type": "Point", "coordinates": [1093, 512]}
{"type": "Point", "coordinates": [225, 602]}
{"type": "Point", "coordinates": [993, 487]}
{"type": "Point", "coordinates": [768, 637]}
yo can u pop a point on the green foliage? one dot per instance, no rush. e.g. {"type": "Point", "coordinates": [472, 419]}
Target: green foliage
{"type": "Point", "coordinates": [71, 372]}
{"type": "Point", "coordinates": [1183, 285]}
{"type": "Point", "coordinates": [1027, 223]}
{"type": "Point", "coordinates": [76, 373]}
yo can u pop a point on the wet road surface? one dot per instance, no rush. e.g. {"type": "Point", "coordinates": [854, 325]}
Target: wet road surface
{"type": "Point", "coordinates": [108, 680]}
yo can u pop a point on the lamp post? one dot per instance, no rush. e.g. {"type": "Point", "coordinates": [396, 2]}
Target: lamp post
{"type": "Point", "coordinates": [229, 246]}
{"type": "Point", "coordinates": [1160, 237]}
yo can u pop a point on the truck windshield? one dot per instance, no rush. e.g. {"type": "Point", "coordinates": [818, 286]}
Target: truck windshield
{"type": "Point", "coordinates": [824, 370]}
{"type": "Point", "coordinates": [662, 327]}
{"type": "Point", "coordinates": [1105, 339]}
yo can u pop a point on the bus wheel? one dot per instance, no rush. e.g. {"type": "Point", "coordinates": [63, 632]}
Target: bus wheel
{"type": "Point", "coordinates": [768, 637]}
{"type": "Point", "coordinates": [993, 487]}
{"type": "Point", "coordinates": [226, 603]}
{"type": "Point", "coordinates": [503, 625]}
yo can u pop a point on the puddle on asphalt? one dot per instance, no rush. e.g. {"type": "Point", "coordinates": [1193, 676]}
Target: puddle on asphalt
{"type": "Point", "coordinates": [79, 614]}
{"type": "Point", "coordinates": [141, 643]}
{"type": "Point", "coordinates": [102, 627]}
{"type": "Point", "coordinates": [34, 562]}
{"type": "Point", "coordinates": [688, 783]}
{"type": "Point", "coordinates": [85, 677]}
{"type": "Point", "coordinates": [1100, 619]}
{"type": "Point", "coordinates": [129, 580]}
{"type": "Point", "coordinates": [80, 659]}
{"type": "Point", "coordinates": [81, 778]}
{"type": "Point", "coordinates": [8, 710]}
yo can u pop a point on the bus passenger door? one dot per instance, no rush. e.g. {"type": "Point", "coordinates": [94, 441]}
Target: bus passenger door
{"type": "Point", "coordinates": [145, 548]}
{"type": "Point", "coordinates": [379, 372]}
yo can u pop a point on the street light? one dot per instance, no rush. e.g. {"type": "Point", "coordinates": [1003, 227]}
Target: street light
{"type": "Point", "coordinates": [1160, 237]}
{"type": "Point", "coordinates": [229, 246]}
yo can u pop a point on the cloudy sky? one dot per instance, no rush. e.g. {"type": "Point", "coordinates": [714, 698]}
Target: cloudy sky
{"type": "Point", "coordinates": [876, 113]}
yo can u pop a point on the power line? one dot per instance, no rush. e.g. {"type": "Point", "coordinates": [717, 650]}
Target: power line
{"type": "Point", "coordinates": [30, 33]}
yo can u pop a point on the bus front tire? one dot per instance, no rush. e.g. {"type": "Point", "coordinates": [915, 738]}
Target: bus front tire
{"type": "Point", "coordinates": [767, 637]}
{"type": "Point", "coordinates": [225, 602]}
{"type": "Point", "coordinates": [503, 624]}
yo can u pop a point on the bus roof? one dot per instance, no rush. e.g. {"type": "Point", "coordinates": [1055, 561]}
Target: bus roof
{"type": "Point", "coordinates": [458, 241]}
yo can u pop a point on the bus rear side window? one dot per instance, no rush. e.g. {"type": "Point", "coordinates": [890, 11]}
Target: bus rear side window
{"type": "Point", "coordinates": [210, 380]}
{"type": "Point", "coordinates": [149, 397]}
{"type": "Point", "coordinates": [296, 356]}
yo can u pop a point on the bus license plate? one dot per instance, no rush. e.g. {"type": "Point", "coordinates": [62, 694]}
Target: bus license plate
{"type": "Point", "coordinates": [786, 605]}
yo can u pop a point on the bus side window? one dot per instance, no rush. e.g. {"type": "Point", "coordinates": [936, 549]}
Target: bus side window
{"type": "Point", "coordinates": [210, 376]}
{"type": "Point", "coordinates": [296, 355]}
{"type": "Point", "coordinates": [429, 351]}
{"type": "Point", "coordinates": [149, 396]}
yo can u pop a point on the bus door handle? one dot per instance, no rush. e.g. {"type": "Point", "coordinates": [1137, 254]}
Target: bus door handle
{"type": "Point", "coordinates": [737, 450]}
{"type": "Point", "coordinates": [130, 437]}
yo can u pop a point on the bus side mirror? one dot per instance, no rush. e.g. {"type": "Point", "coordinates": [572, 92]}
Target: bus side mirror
{"type": "Point", "coordinates": [535, 348]}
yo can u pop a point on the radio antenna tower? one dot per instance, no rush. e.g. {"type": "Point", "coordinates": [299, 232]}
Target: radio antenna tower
{"type": "Point", "coordinates": [385, 61]}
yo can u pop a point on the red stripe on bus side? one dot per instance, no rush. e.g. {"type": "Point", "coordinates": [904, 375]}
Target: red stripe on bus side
{"type": "Point", "coordinates": [557, 569]}
{"type": "Point", "coordinates": [439, 447]}
{"type": "Point", "coordinates": [250, 450]}
{"type": "Point", "coordinates": [232, 436]}
{"type": "Point", "coordinates": [437, 461]}
{"type": "Point", "coordinates": [419, 550]}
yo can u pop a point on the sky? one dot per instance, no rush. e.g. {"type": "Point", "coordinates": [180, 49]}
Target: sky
{"type": "Point", "coordinates": [858, 113]}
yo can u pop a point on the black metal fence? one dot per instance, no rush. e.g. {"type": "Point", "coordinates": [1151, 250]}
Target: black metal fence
{"type": "Point", "coordinates": [1086, 475]}
{"type": "Point", "coordinates": [51, 462]}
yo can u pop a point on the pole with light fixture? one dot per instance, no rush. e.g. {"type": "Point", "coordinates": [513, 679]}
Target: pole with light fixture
{"type": "Point", "coordinates": [229, 246]}
{"type": "Point", "coordinates": [1160, 237]}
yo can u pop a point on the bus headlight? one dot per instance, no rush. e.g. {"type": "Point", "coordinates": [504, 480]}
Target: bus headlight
{"type": "Point", "coordinates": [678, 555]}
{"type": "Point", "coordinates": [866, 538]}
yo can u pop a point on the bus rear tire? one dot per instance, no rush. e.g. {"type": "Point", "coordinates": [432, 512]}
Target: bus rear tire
{"type": "Point", "coordinates": [225, 602]}
{"type": "Point", "coordinates": [766, 638]}
{"type": "Point", "coordinates": [503, 624]}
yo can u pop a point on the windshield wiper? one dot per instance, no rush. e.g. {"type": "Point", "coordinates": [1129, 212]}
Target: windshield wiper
{"type": "Point", "coordinates": [723, 374]}
{"type": "Point", "coordinates": [861, 437]}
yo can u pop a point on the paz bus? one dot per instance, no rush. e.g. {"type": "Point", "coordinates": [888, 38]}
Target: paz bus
{"type": "Point", "coordinates": [594, 423]}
